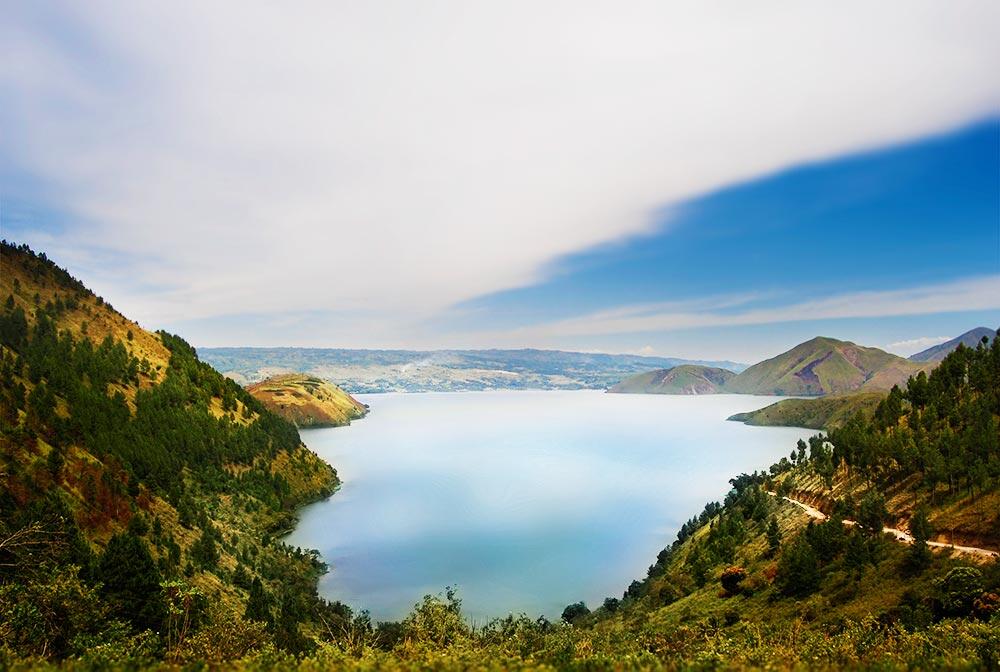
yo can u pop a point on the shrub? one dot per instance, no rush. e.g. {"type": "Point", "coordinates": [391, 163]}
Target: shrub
{"type": "Point", "coordinates": [731, 578]}
{"type": "Point", "coordinates": [574, 612]}
{"type": "Point", "coordinates": [986, 605]}
{"type": "Point", "coordinates": [958, 589]}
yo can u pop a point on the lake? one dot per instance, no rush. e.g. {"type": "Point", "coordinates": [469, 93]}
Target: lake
{"type": "Point", "coordinates": [525, 501]}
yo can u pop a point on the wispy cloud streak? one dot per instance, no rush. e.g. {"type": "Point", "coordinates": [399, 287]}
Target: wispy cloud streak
{"type": "Point", "coordinates": [973, 294]}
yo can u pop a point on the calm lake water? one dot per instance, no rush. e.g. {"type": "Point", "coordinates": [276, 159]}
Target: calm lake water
{"type": "Point", "coordinates": [526, 501]}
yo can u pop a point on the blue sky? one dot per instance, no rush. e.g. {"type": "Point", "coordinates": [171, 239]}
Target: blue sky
{"type": "Point", "coordinates": [923, 213]}
{"type": "Point", "coordinates": [676, 180]}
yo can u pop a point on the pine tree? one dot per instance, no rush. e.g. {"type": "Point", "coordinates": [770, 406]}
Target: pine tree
{"type": "Point", "coordinates": [798, 568]}
{"type": "Point", "coordinates": [773, 537]}
{"type": "Point", "coordinates": [919, 556]}
{"type": "Point", "coordinates": [130, 581]}
{"type": "Point", "coordinates": [258, 604]}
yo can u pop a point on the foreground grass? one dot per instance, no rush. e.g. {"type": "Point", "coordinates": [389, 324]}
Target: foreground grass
{"type": "Point", "coordinates": [864, 644]}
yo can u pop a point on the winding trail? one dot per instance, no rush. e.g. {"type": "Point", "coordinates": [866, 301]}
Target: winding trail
{"type": "Point", "coordinates": [900, 535]}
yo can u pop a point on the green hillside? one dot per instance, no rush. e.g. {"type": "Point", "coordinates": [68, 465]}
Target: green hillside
{"type": "Point", "coordinates": [821, 413]}
{"type": "Point", "coordinates": [684, 379]}
{"type": "Point", "coordinates": [824, 366]}
{"type": "Point", "coordinates": [134, 481]}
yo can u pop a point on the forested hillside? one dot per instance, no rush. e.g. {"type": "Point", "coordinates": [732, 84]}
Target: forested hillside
{"type": "Point", "coordinates": [926, 463]}
{"type": "Point", "coordinates": [135, 481]}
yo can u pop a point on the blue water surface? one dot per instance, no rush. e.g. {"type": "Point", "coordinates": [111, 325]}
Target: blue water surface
{"type": "Point", "coordinates": [524, 501]}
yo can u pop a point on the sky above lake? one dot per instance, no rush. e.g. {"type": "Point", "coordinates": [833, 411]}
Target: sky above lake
{"type": "Point", "coordinates": [679, 179]}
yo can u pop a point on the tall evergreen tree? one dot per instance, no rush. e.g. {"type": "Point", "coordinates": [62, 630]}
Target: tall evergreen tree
{"type": "Point", "coordinates": [919, 555]}
{"type": "Point", "coordinates": [130, 581]}
{"type": "Point", "coordinates": [773, 536]}
{"type": "Point", "coordinates": [259, 603]}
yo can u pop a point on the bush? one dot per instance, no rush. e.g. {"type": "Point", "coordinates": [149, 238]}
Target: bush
{"type": "Point", "coordinates": [574, 612]}
{"type": "Point", "coordinates": [731, 579]}
{"type": "Point", "coordinates": [958, 590]}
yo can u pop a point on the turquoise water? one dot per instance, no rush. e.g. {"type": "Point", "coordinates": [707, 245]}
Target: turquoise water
{"type": "Point", "coordinates": [526, 501]}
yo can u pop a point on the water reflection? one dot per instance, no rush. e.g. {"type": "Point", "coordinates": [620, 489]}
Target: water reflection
{"type": "Point", "coordinates": [526, 501]}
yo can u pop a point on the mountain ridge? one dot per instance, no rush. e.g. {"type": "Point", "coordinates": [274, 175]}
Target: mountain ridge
{"type": "Point", "coordinates": [824, 365]}
{"type": "Point", "coordinates": [938, 352]}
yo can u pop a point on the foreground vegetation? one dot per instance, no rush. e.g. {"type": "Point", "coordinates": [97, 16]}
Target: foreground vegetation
{"type": "Point", "coordinates": [143, 494]}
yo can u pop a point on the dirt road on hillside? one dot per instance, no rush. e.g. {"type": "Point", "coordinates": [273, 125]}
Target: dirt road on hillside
{"type": "Point", "coordinates": [900, 535]}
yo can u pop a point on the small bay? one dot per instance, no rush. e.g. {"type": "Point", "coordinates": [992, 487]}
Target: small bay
{"type": "Point", "coordinates": [525, 501]}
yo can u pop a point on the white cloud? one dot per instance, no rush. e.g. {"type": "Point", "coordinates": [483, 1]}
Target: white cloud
{"type": "Point", "coordinates": [914, 345]}
{"type": "Point", "coordinates": [972, 294]}
{"type": "Point", "coordinates": [394, 158]}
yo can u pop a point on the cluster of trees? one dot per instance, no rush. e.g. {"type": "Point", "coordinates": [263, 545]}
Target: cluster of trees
{"type": "Point", "coordinates": [944, 427]}
{"type": "Point", "coordinates": [171, 433]}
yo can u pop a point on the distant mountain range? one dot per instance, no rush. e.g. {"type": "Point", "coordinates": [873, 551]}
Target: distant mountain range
{"type": "Point", "coordinates": [844, 380]}
{"type": "Point", "coordinates": [820, 366]}
{"type": "Point", "coordinates": [359, 371]}
{"type": "Point", "coordinates": [969, 339]}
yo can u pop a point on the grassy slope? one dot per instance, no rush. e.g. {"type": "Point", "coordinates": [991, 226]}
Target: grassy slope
{"type": "Point", "coordinates": [821, 413]}
{"type": "Point", "coordinates": [307, 401]}
{"type": "Point", "coordinates": [841, 597]}
{"type": "Point", "coordinates": [824, 366]}
{"type": "Point", "coordinates": [684, 379]}
{"type": "Point", "coordinates": [241, 522]}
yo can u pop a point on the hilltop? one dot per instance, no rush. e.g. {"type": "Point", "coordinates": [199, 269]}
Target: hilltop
{"type": "Point", "coordinates": [307, 401]}
{"type": "Point", "coordinates": [824, 366]}
{"type": "Point", "coordinates": [969, 339]}
{"type": "Point", "coordinates": [683, 379]}
{"type": "Point", "coordinates": [361, 371]}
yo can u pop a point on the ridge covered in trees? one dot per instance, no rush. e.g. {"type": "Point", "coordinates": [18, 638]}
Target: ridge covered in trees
{"type": "Point", "coordinates": [134, 476]}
